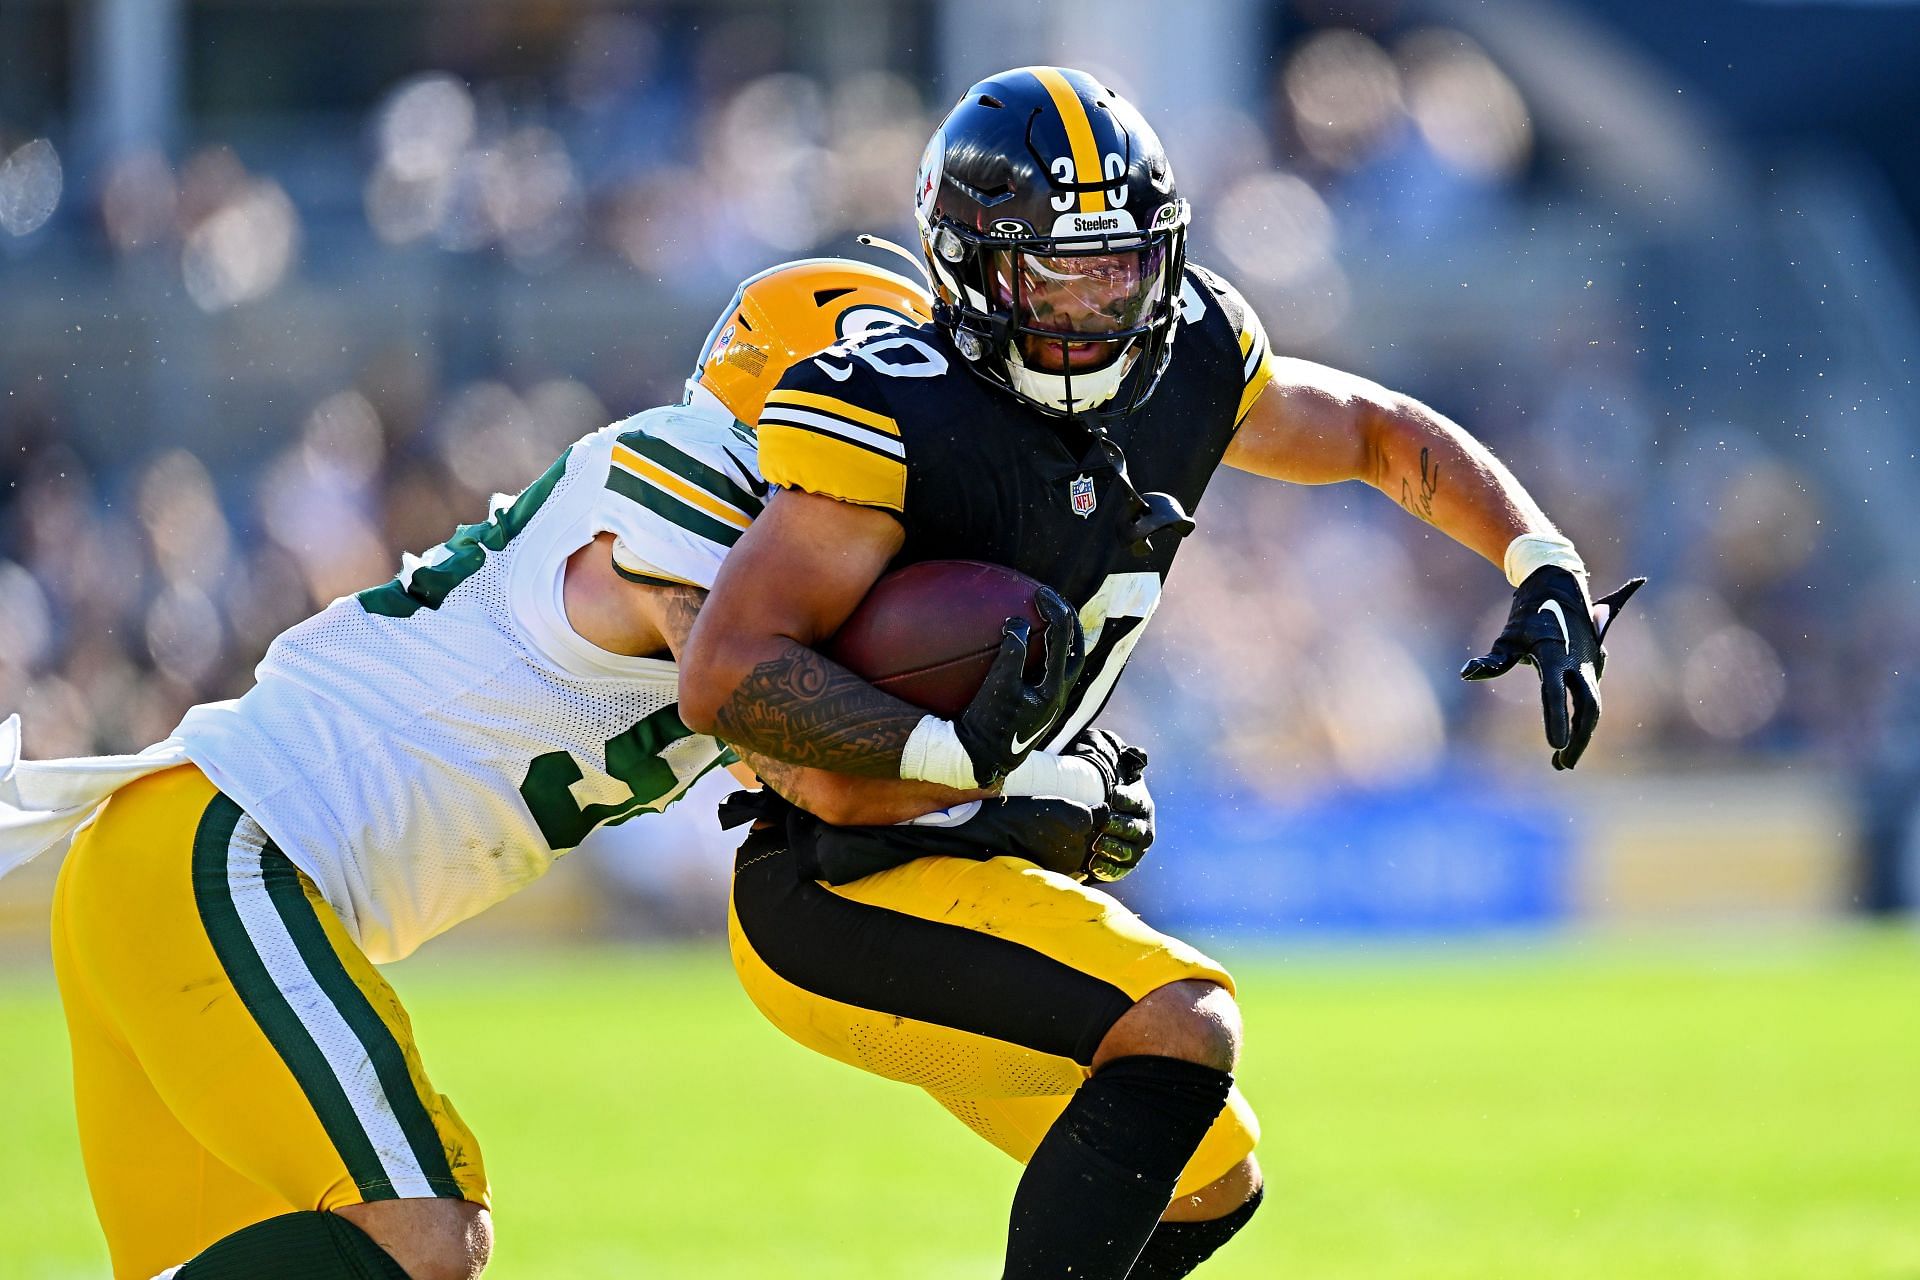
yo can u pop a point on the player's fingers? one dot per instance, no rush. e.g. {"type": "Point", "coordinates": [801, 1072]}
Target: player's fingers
{"type": "Point", "coordinates": [1496, 661]}
{"type": "Point", "coordinates": [1063, 638]}
{"type": "Point", "coordinates": [1586, 718]}
{"type": "Point", "coordinates": [1553, 696]}
{"type": "Point", "coordinates": [1112, 859]}
{"type": "Point", "coordinates": [1010, 663]}
{"type": "Point", "coordinates": [1607, 608]}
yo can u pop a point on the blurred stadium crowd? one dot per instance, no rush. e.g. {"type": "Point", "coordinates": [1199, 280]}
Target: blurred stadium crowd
{"type": "Point", "coordinates": [389, 309]}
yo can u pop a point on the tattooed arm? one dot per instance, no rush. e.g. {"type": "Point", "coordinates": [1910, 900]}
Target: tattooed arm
{"type": "Point", "coordinates": [1315, 425]}
{"type": "Point", "coordinates": [655, 618]}
{"type": "Point", "coordinates": [750, 673]}
{"type": "Point", "coordinates": [847, 801]}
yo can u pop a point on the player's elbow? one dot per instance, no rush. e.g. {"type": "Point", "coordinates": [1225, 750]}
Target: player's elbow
{"type": "Point", "coordinates": [705, 685]}
{"type": "Point", "coordinates": [1388, 423]}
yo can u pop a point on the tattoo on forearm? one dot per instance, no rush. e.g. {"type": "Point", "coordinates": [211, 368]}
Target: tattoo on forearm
{"type": "Point", "coordinates": [803, 709]}
{"type": "Point", "coordinates": [776, 775]}
{"type": "Point", "coordinates": [1420, 502]}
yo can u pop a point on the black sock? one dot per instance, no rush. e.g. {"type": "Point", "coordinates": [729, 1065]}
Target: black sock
{"type": "Point", "coordinates": [1176, 1248]}
{"type": "Point", "coordinates": [1105, 1172]}
{"type": "Point", "coordinates": [295, 1246]}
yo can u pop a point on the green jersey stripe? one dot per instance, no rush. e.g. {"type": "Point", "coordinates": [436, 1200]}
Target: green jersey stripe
{"type": "Point", "coordinates": [389, 1059]}
{"type": "Point", "coordinates": [717, 483]}
{"type": "Point", "coordinates": [213, 895]}
{"type": "Point", "coordinates": [671, 509]}
{"type": "Point", "coordinates": [648, 579]}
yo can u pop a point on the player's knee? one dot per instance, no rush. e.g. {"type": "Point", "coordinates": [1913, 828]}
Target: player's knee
{"type": "Point", "coordinates": [460, 1248]}
{"type": "Point", "coordinates": [1228, 1194]}
{"type": "Point", "coordinates": [430, 1239]}
{"type": "Point", "coordinates": [1195, 1021]}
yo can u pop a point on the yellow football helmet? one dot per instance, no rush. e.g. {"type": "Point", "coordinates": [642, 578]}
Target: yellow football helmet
{"type": "Point", "coordinates": [789, 312]}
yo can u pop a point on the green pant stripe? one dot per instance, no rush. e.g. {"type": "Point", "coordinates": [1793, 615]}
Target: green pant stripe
{"type": "Point", "coordinates": [388, 1058]}
{"type": "Point", "coordinates": [213, 895]}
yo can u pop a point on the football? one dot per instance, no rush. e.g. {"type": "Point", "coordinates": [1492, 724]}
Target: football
{"type": "Point", "coordinates": [927, 633]}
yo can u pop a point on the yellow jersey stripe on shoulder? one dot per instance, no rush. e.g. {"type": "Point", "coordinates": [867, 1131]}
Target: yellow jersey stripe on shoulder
{"type": "Point", "coordinates": [796, 456]}
{"type": "Point", "coordinates": [837, 407]}
{"type": "Point", "coordinates": [1086, 152]}
{"type": "Point", "coordinates": [828, 425]}
{"type": "Point", "coordinates": [1253, 346]}
{"type": "Point", "coordinates": [690, 494]}
{"type": "Point", "coordinates": [1256, 383]}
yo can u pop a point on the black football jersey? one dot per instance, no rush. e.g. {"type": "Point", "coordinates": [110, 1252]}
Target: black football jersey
{"type": "Point", "coordinates": [896, 420]}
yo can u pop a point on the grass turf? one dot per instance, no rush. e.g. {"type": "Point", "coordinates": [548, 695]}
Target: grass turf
{"type": "Point", "coordinates": [1744, 1108]}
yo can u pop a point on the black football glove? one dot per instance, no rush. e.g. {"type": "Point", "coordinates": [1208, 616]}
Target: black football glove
{"type": "Point", "coordinates": [1551, 627]}
{"type": "Point", "coordinates": [1126, 830]}
{"type": "Point", "coordinates": [1008, 717]}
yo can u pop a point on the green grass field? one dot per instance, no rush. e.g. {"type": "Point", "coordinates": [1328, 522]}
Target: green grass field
{"type": "Point", "coordinates": [1742, 1108]}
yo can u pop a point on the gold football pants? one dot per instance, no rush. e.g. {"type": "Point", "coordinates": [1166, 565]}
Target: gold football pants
{"type": "Point", "coordinates": [989, 984]}
{"type": "Point", "coordinates": [235, 1056]}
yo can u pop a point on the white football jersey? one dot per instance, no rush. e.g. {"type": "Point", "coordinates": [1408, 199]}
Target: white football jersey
{"type": "Point", "coordinates": [426, 747]}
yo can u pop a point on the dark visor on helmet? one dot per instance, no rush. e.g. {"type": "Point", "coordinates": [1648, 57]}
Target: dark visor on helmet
{"type": "Point", "coordinates": [1099, 294]}
{"type": "Point", "coordinates": [1080, 307]}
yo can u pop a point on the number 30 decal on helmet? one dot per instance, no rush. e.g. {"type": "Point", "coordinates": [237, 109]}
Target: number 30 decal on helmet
{"type": "Point", "coordinates": [1056, 240]}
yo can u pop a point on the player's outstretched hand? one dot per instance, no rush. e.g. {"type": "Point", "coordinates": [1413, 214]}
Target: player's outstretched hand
{"type": "Point", "coordinates": [1552, 627]}
{"type": "Point", "coordinates": [1126, 830]}
{"type": "Point", "coordinates": [1009, 716]}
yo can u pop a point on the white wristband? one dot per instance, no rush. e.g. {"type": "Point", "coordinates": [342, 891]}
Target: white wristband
{"type": "Point", "coordinates": [933, 754]}
{"type": "Point", "coordinates": [1531, 551]}
{"type": "Point", "coordinates": [1042, 774]}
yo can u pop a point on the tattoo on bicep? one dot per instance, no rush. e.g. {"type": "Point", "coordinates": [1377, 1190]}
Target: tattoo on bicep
{"type": "Point", "coordinates": [1420, 503]}
{"type": "Point", "coordinates": [805, 710]}
{"type": "Point", "coordinates": [679, 609]}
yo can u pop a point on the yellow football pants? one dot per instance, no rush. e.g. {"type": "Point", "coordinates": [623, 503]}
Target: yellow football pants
{"type": "Point", "coordinates": [235, 1056]}
{"type": "Point", "coordinates": [989, 984]}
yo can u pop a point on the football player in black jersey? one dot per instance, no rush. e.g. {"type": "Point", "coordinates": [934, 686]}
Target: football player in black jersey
{"type": "Point", "coordinates": [1062, 415]}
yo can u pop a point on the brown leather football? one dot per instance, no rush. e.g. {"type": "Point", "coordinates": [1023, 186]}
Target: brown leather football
{"type": "Point", "coordinates": [927, 633]}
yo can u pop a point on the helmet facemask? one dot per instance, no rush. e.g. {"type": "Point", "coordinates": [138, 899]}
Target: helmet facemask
{"type": "Point", "coordinates": [1078, 327]}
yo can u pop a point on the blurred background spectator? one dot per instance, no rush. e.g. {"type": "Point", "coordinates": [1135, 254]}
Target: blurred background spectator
{"type": "Point", "coordinates": [288, 288]}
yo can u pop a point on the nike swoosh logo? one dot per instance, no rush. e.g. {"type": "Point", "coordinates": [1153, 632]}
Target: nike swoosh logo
{"type": "Point", "coordinates": [1019, 746]}
{"type": "Point", "coordinates": [1553, 607]}
{"type": "Point", "coordinates": [838, 375]}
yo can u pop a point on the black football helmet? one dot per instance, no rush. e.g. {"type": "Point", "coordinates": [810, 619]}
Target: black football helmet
{"type": "Point", "coordinates": [1056, 241]}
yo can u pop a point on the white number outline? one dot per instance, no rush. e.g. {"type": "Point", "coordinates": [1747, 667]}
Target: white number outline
{"type": "Point", "coordinates": [1062, 169]}
{"type": "Point", "coordinates": [1115, 168]}
{"type": "Point", "coordinates": [1120, 596]}
{"type": "Point", "coordinates": [870, 346]}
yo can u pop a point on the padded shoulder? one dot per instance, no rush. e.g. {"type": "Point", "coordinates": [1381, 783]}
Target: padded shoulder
{"type": "Point", "coordinates": [681, 489]}
{"type": "Point", "coordinates": [828, 428]}
{"type": "Point", "coordinates": [1256, 357]}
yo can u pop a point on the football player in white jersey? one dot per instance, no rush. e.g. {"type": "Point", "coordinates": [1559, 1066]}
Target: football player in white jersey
{"type": "Point", "coordinates": [249, 1096]}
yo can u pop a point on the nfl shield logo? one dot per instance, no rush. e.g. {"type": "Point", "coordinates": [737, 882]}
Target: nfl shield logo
{"type": "Point", "coordinates": [1081, 492]}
